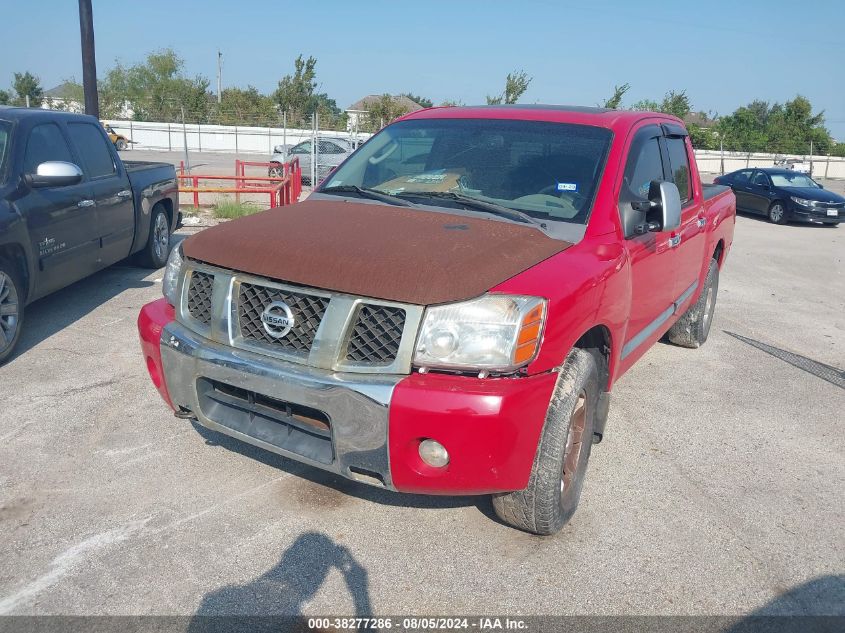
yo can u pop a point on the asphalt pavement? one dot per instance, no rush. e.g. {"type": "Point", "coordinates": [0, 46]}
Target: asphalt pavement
{"type": "Point", "coordinates": [718, 488]}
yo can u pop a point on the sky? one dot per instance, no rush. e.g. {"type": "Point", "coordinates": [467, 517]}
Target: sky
{"type": "Point", "coordinates": [723, 53]}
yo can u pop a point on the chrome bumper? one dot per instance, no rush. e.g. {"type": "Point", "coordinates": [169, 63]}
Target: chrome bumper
{"type": "Point", "coordinates": [355, 404]}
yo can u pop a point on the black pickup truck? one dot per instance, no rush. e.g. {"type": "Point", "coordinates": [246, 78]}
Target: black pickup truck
{"type": "Point", "coordinates": [69, 207]}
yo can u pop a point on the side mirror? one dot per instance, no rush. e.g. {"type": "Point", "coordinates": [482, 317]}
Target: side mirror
{"type": "Point", "coordinates": [279, 149]}
{"type": "Point", "coordinates": [54, 173]}
{"type": "Point", "coordinates": [670, 206]}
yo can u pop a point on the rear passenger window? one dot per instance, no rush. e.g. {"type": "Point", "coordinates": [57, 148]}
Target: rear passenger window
{"type": "Point", "coordinates": [92, 145]}
{"type": "Point", "coordinates": [679, 161]}
{"type": "Point", "coordinates": [46, 142]}
{"type": "Point", "coordinates": [647, 166]}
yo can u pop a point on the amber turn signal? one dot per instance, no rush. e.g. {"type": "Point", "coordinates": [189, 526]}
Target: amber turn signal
{"type": "Point", "coordinates": [530, 331]}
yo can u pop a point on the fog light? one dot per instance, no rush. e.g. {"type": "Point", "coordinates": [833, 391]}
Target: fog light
{"type": "Point", "coordinates": [434, 453]}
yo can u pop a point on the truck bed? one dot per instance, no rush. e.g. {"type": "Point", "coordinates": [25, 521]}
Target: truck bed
{"type": "Point", "coordinates": [134, 166]}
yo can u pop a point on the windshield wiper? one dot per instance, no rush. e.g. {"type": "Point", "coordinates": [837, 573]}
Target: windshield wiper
{"type": "Point", "coordinates": [478, 205]}
{"type": "Point", "coordinates": [372, 194]}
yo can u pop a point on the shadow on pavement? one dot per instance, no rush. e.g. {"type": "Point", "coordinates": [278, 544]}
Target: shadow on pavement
{"type": "Point", "coordinates": [63, 308]}
{"type": "Point", "coordinates": [283, 590]}
{"type": "Point", "coordinates": [817, 606]}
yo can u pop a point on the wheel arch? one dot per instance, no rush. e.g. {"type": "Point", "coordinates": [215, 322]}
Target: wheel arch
{"type": "Point", "coordinates": [599, 342]}
{"type": "Point", "coordinates": [15, 254]}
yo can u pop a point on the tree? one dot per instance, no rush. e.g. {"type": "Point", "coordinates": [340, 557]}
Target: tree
{"type": "Point", "coordinates": [295, 92]}
{"type": "Point", "coordinates": [27, 85]}
{"type": "Point", "coordinates": [676, 104]}
{"type": "Point", "coordinates": [423, 101]}
{"type": "Point", "coordinates": [240, 106]}
{"type": "Point", "coordinates": [516, 83]}
{"type": "Point", "coordinates": [155, 91]}
{"type": "Point", "coordinates": [5, 97]}
{"type": "Point", "coordinates": [786, 128]}
{"type": "Point", "coordinates": [616, 100]}
{"type": "Point", "coordinates": [646, 105]}
{"type": "Point", "coordinates": [384, 111]}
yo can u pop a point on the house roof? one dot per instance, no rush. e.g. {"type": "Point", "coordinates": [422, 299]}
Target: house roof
{"type": "Point", "coordinates": [367, 102]}
{"type": "Point", "coordinates": [64, 90]}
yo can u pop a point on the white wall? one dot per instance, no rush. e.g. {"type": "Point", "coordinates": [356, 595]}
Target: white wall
{"type": "Point", "coordinates": [214, 138]}
{"type": "Point", "coordinates": [261, 140]}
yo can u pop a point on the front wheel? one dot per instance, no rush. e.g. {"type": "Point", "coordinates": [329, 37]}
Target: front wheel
{"type": "Point", "coordinates": [120, 145]}
{"type": "Point", "coordinates": [276, 170]}
{"type": "Point", "coordinates": [11, 309]}
{"type": "Point", "coordinates": [154, 254]}
{"type": "Point", "coordinates": [777, 212]}
{"type": "Point", "coordinates": [560, 464]}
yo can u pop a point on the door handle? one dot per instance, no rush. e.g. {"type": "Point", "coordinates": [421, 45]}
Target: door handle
{"type": "Point", "coordinates": [674, 241]}
{"type": "Point", "coordinates": [124, 194]}
{"type": "Point", "coordinates": [702, 222]}
{"type": "Point", "coordinates": [85, 203]}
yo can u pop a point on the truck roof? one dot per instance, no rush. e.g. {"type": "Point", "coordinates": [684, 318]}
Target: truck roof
{"type": "Point", "coordinates": [583, 115]}
{"type": "Point", "coordinates": [16, 113]}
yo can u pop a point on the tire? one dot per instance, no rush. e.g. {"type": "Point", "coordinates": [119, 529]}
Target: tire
{"type": "Point", "coordinates": [11, 309]}
{"type": "Point", "coordinates": [560, 464]}
{"type": "Point", "coordinates": [777, 212]}
{"type": "Point", "coordinates": [692, 329]}
{"type": "Point", "coordinates": [120, 145]}
{"type": "Point", "coordinates": [157, 248]}
{"type": "Point", "coordinates": [275, 171]}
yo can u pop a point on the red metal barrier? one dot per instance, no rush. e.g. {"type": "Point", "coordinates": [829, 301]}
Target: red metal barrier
{"type": "Point", "coordinates": [282, 190]}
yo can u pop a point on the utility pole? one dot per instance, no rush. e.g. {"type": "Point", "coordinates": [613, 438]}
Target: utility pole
{"type": "Point", "coordinates": [89, 63]}
{"type": "Point", "coordinates": [219, 77]}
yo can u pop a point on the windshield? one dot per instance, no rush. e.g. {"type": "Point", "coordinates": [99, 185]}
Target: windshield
{"type": "Point", "coordinates": [792, 180]}
{"type": "Point", "coordinates": [549, 171]}
{"type": "Point", "coordinates": [5, 136]}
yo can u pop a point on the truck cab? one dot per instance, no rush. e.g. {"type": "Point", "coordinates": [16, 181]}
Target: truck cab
{"type": "Point", "coordinates": [70, 207]}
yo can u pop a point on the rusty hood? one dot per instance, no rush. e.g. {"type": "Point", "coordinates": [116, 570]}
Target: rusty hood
{"type": "Point", "coordinates": [375, 250]}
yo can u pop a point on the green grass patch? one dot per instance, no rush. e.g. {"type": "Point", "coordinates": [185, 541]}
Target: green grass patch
{"type": "Point", "coordinates": [229, 209]}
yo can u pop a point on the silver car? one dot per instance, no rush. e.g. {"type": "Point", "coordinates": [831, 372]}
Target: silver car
{"type": "Point", "coordinates": [331, 152]}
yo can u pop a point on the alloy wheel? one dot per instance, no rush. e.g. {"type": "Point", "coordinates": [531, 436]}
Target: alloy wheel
{"type": "Point", "coordinates": [9, 311]}
{"type": "Point", "coordinates": [161, 236]}
{"type": "Point", "coordinates": [574, 443]}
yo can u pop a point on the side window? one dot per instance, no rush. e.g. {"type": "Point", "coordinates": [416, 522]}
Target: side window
{"type": "Point", "coordinates": [679, 160]}
{"type": "Point", "coordinates": [645, 167]}
{"type": "Point", "coordinates": [46, 142]}
{"type": "Point", "coordinates": [302, 148]}
{"type": "Point", "coordinates": [743, 177]}
{"type": "Point", "coordinates": [92, 147]}
{"type": "Point", "coordinates": [326, 147]}
{"type": "Point", "coordinates": [760, 179]}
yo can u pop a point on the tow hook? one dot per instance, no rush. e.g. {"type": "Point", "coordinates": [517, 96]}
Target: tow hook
{"type": "Point", "coordinates": [184, 414]}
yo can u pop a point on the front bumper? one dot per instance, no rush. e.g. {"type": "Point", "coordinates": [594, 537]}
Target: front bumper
{"type": "Point", "coordinates": [813, 214]}
{"type": "Point", "coordinates": [365, 427]}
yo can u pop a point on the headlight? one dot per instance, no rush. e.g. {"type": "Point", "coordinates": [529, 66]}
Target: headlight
{"type": "Point", "coordinates": [172, 271]}
{"type": "Point", "coordinates": [492, 333]}
{"type": "Point", "coordinates": [802, 201]}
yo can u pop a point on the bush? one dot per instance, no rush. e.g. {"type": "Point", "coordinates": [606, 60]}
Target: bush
{"type": "Point", "coordinates": [229, 209]}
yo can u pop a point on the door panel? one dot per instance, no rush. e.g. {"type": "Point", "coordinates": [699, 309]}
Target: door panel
{"type": "Point", "coordinates": [115, 210]}
{"type": "Point", "coordinates": [740, 185]}
{"type": "Point", "coordinates": [61, 220]}
{"type": "Point", "coordinates": [758, 195]}
{"type": "Point", "coordinates": [690, 236]}
{"type": "Point", "coordinates": [651, 255]}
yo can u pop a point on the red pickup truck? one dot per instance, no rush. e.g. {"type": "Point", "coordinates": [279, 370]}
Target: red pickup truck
{"type": "Point", "coordinates": [448, 312]}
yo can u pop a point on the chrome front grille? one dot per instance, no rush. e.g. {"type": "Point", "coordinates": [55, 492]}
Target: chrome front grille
{"type": "Point", "coordinates": [199, 296]}
{"type": "Point", "coordinates": [376, 335]}
{"type": "Point", "coordinates": [329, 330]}
{"type": "Point", "coordinates": [308, 312]}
